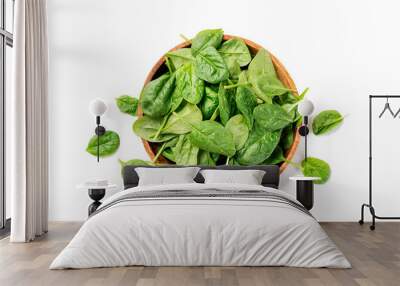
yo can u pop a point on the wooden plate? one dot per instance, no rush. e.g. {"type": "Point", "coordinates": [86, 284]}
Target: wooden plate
{"type": "Point", "coordinates": [159, 68]}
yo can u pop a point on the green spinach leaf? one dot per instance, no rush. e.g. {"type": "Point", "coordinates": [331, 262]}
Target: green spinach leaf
{"type": "Point", "coordinates": [185, 153]}
{"type": "Point", "coordinates": [223, 105]}
{"type": "Point", "coordinates": [235, 50]}
{"type": "Point", "coordinates": [108, 144]}
{"type": "Point", "coordinates": [168, 153]}
{"type": "Point", "coordinates": [246, 102]}
{"type": "Point", "coordinates": [276, 157]}
{"type": "Point", "coordinates": [238, 127]}
{"type": "Point", "coordinates": [207, 38]}
{"type": "Point", "coordinates": [326, 121]}
{"type": "Point", "coordinates": [146, 127]}
{"type": "Point", "coordinates": [213, 137]}
{"type": "Point", "coordinates": [266, 87]}
{"type": "Point", "coordinates": [156, 96]}
{"type": "Point", "coordinates": [180, 57]}
{"type": "Point", "coordinates": [287, 137]}
{"type": "Point", "coordinates": [127, 104]}
{"type": "Point", "coordinates": [271, 116]}
{"type": "Point", "coordinates": [206, 159]}
{"type": "Point", "coordinates": [179, 122]}
{"type": "Point", "coordinates": [261, 65]}
{"type": "Point", "coordinates": [258, 147]}
{"type": "Point", "coordinates": [210, 66]}
{"type": "Point", "coordinates": [189, 85]}
{"type": "Point", "coordinates": [209, 103]}
{"type": "Point", "coordinates": [314, 167]}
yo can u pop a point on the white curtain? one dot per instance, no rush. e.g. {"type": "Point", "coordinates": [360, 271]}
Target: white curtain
{"type": "Point", "coordinates": [28, 115]}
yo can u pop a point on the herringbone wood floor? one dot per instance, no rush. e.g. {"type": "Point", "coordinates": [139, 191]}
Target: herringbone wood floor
{"type": "Point", "coordinates": [375, 257]}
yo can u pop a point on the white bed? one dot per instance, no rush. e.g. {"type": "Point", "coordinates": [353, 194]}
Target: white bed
{"type": "Point", "coordinates": [185, 230]}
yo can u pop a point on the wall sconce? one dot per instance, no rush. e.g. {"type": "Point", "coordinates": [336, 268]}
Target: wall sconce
{"type": "Point", "coordinates": [97, 107]}
{"type": "Point", "coordinates": [305, 108]}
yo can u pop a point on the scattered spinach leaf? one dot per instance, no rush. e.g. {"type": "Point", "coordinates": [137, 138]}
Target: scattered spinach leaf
{"type": "Point", "coordinates": [314, 167]}
{"type": "Point", "coordinates": [108, 144]}
{"type": "Point", "coordinates": [127, 104]}
{"type": "Point", "coordinates": [326, 121]}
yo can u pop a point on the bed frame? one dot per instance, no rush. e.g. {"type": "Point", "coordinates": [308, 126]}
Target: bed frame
{"type": "Point", "coordinates": [271, 177]}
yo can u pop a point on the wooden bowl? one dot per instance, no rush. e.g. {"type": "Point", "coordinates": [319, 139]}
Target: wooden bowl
{"type": "Point", "coordinates": [159, 68]}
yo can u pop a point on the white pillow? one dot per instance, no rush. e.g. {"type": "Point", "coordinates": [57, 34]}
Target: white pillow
{"type": "Point", "coordinates": [166, 176]}
{"type": "Point", "coordinates": [247, 177]}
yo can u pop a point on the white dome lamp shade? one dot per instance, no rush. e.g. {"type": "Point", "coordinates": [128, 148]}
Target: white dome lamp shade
{"type": "Point", "coordinates": [98, 107]}
{"type": "Point", "coordinates": [305, 108]}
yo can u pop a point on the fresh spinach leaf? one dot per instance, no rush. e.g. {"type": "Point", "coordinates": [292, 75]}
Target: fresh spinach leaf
{"type": "Point", "coordinates": [258, 147]}
{"type": "Point", "coordinates": [156, 96]}
{"type": "Point", "coordinates": [246, 102]}
{"type": "Point", "coordinates": [213, 137]}
{"type": "Point", "coordinates": [223, 105]}
{"type": "Point", "coordinates": [180, 57]}
{"type": "Point", "coordinates": [127, 104]}
{"type": "Point", "coordinates": [179, 122]}
{"type": "Point", "coordinates": [238, 127]}
{"type": "Point", "coordinates": [326, 121]}
{"type": "Point", "coordinates": [235, 50]}
{"type": "Point", "coordinates": [168, 153]}
{"type": "Point", "coordinates": [207, 38]}
{"type": "Point", "coordinates": [314, 167]}
{"type": "Point", "coordinates": [261, 64]}
{"type": "Point", "coordinates": [185, 153]}
{"type": "Point", "coordinates": [146, 127]}
{"type": "Point", "coordinates": [189, 85]}
{"type": "Point", "coordinates": [108, 144]}
{"type": "Point", "coordinates": [205, 158]}
{"type": "Point", "coordinates": [287, 137]}
{"type": "Point", "coordinates": [266, 87]}
{"type": "Point", "coordinates": [271, 116]}
{"type": "Point", "coordinates": [210, 66]}
{"type": "Point", "coordinates": [276, 157]}
{"type": "Point", "coordinates": [209, 103]}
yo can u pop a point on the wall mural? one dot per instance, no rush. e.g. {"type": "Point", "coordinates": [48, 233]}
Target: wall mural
{"type": "Point", "coordinates": [218, 99]}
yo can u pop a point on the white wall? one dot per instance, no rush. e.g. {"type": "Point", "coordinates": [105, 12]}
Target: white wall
{"type": "Point", "coordinates": [342, 50]}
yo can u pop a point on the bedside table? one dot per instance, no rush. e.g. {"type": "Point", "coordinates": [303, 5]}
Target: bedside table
{"type": "Point", "coordinates": [305, 190]}
{"type": "Point", "coordinates": [96, 193]}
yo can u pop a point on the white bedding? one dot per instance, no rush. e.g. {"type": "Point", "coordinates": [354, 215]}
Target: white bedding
{"type": "Point", "coordinates": [200, 231]}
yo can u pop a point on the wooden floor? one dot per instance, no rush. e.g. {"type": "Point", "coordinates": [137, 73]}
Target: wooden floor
{"type": "Point", "coordinates": [375, 257]}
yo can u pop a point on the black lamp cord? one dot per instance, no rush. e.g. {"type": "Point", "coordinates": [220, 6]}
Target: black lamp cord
{"type": "Point", "coordinates": [98, 138]}
{"type": "Point", "coordinates": [305, 137]}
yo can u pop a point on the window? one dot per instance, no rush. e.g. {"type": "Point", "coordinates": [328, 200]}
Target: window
{"type": "Point", "coordinates": [6, 44]}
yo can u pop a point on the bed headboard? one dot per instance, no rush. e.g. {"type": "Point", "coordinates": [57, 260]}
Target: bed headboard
{"type": "Point", "coordinates": [271, 177]}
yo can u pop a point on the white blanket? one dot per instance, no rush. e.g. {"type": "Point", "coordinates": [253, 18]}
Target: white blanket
{"type": "Point", "coordinates": [200, 231]}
